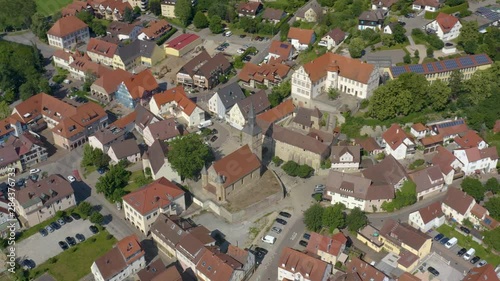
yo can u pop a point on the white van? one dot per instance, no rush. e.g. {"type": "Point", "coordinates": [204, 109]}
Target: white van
{"type": "Point", "coordinates": [228, 33]}
{"type": "Point", "coordinates": [452, 242]}
{"type": "Point", "coordinates": [470, 253]}
{"type": "Point", "coordinates": [269, 239]}
{"type": "Point", "coordinates": [204, 124]}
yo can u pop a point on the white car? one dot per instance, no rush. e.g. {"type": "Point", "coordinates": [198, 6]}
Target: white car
{"type": "Point", "coordinates": [34, 171]}
{"type": "Point", "coordinates": [71, 179]}
{"type": "Point", "coordinates": [241, 51]}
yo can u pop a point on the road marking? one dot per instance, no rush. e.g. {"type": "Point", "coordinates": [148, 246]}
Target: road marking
{"type": "Point", "coordinates": [293, 236]}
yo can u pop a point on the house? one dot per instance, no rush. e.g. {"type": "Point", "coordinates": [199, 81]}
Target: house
{"type": "Point", "coordinates": [471, 139]}
{"type": "Point", "coordinates": [345, 157]}
{"type": "Point", "coordinates": [369, 236]}
{"type": "Point", "coordinates": [356, 191]}
{"type": "Point", "coordinates": [467, 65]}
{"type": "Point", "coordinates": [224, 99]}
{"type": "Point", "coordinates": [477, 160]}
{"type": "Point", "coordinates": [330, 70]}
{"type": "Point", "coordinates": [457, 204]}
{"type": "Point", "coordinates": [156, 271]}
{"type": "Point", "coordinates": [163, 130]}
{"type": "Point", "coordinates": [371, 20]}
{"type": "Point", "coordinates": [300, 38]}
{"type": "Point", "coordinates": [266, 74]}
{"type": "Point", "coordinates": [154, 30]}
{"type": "Point", "coordinates": [307, 119]}
{"type": "Point", "coordinates": [293, 146]}
{"type": "Point", "coordinates": [485, 17]}
{"type": "Point", "coordinates": [182, 44]}
{"type": "Point", "coordinates": [10, 161]}
{"type": "Point", "coordinates": [311, 12]}
{"type": "Point", "coordinates": [426, 5]}
{"type": "Point", "coordinates": [221, 179]}
{"type": "Point", "coordinates": [448, 129]}
{"type": "Point", "coordinates": [101, 51]}
{"type": "Point", "coordinates": [387, 172]}
{"type": "Point", "coordinates": [296, 265]}
{"type": "Point", "coordinates": [80, 66]}
{"type": "Point", "coordinates": [273, 15]}
{"type": "Point", "coordinates": [137, 53]}
{"type": "Point", "coordinates": [174, 102]}
{"type": "Point", "coordinates": [427, 218]}
{"type": "Point", "coordinates": [70, 126]}
{"type": "Point", "coordinates": [383, 4]}
{"type": "Point", "coordinates": [67, 32]}
{"type": "Point", "coordinates": [333, 38]}
{"type": "Point", "coordinates": [143, 206]}
{"type": "Point", "coordinates": [141, 119]}
{"type": "Point", "coordinates": [244, 256]}
{"type": "Point", "coordinates": [357, 269]}
{"type": "Point", "coordinates": [156, 160]}
{"type": "Point", "coordinates": [103, 138]}
{"type": "Point", "coordinates": [238, 114]}
{"type": "Point", "coordinates": [112, 10]}
{"type": "Point", "coordinates": [29, 148]}
{"type": "Point", "coordinates": [328, 248]}
{"type": "Point", "coordinates": [106, 85]}
{"type": "Point", "coordinates": [478, 214]}
{"type": "Point", "coordinates": [448, 164]}
{"type": "Point", "coordinates": [369, 145]}
{"type": "Point", "coordinates": [428, 181]}
{"type": "Point", "coordinates": [168, 8]}
{"type": "Point", "coordinates": [397, 142]}
{"type": "Point", "coordinates": [280, 51]}
{"type": "Point", "coordinates": [41, 200]}
{"type": "Point", "coordinates": [75, 7]}
{"type": "Point", "coordinates": [215, 265]}
{"type": "Point", "coordinates": [418, 130]}
{"type": "Point", "coordinates": [390, 28]}
{"type": "Point", "coordinates": [249, 9]}
{"type": "Point", "coordinates": [125, 259]}
{"type": "Point", "coordinates": [446, 27]}
{"type": "Point", "coordinates": [323, 136]}
{"type": "Point", "coordinates": [203, 71]}
{"type": "Point", "coordinates": [137, 89]}
{"type": "Point", "coordinates": [401, 236]}
{"type": "Point", "coordinates": [124, 31]}
{"type": "Point", "coordinates": [275, 114]}
{"type": "Point", "coordinates": [483, 273]}
{"type": "Point", "coordinates": [124, 150]}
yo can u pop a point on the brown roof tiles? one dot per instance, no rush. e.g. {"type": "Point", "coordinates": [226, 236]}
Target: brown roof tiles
{"type": "Point", "coordinates": [156, 28]}
{"type": "Point", "coordinates": [110, 81]}
{"type": "Point", "coordinates": [237, 165]}
{"type": "Point", "coordinates": [427, 178]}
{"type": "Point", "coordinates": [446, 22]}
{"type": "Point", "coordinates": [297, 139]}
{"type": "Point", "coordinates": [297, 262]}
{"type": "Point", "coordinates": [304, 36]}
{"type": "Point", "coordinates": [458, 200]}
{"type": "Point", "coordinates": [483, 273]}
{"type": "Point", "coordinates": [431, 212]}
{"type": "Point", "coordinates": [395, 136]}
{"type": "Point", "coordinates": [400, 233]}
{"type": "Point", "coordinates": [273, 14]}
{"type": "Point", "coordinates": [178, 96]}
{"type": "Point", "coordinates": [277, 113]}
{"type": "Point", "coordinates": [470, 139]}
{"type": "Point", "coordinates": [352, 69]}
{"type": "Point", "coordinates": [101, 47]}
{"type": "Point", "coordinates": [363, 270]}
{"type": "Point", "coordinates": [141, 83]}
{"type": "Point", "coordinates": [66, 25]}
{"type": "Point", "coordinates": [272, 72]}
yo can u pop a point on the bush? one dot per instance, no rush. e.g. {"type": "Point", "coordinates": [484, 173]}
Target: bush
{"type": "Point", "coordinates": [318, 197]}
{"type": "Point", "coordinates": [277, 161]}
{"type": "Point", "coordinates": [417, 163]}
{"type": "Point", "coordinates": [53, 260]}
{"type": "Point", "coordinates": [290, 168]}
{"type": "Point", "coordinates": [97, 218]}
{"type": "Point", "coordinates": [109, 237]}
{"type": "Point", "coordinates": [327, 164]}
{"type": "Point", "coordinates": [93, 239]}
{"type": "Point", "coordinates": [165, 36]}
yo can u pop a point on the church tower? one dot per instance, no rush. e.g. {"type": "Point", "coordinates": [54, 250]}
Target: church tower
{"type": "Point", "coordinates": [204, 176]}
{"type": "Point", "coordinates": [220, 191]}
{"type": "Point", "coordinates": [252, 134]}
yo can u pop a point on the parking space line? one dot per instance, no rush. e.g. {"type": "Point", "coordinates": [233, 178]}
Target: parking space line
{"type": "Point", "coordinates": [293, 236]}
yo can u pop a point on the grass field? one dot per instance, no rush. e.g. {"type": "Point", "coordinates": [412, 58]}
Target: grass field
{"type": "Point", "coordinates": [74, 263]}
{"type": "Point", "coordinates": [49, 7]}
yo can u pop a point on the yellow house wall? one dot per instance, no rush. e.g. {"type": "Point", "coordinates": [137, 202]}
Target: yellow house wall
{"type": "Point", "coordinates": [172, 52]}
{"type": "Point", "coordinates": [368, 243]}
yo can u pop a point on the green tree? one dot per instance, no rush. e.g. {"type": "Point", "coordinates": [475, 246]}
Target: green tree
{"type": "Point", "coordinates": [136, 10]}
{"type": "Point", "coordinates": [85, 16]}
{"type": "Point", "coordinates": [184, 11]}
{"type": "Point", "coordinates": [200, 20]}
{"type": "Point", "coordinates": [491, 43]}
{"type": "Point", "coordinates": [435, 42]}
{"type": "Point", "coordinates": [388, 40]}
{"type": "Point", "coordinates": [493, 206]}
{"type": "Point", "coordinates": [279, 93]}
{"type": "Point", "coordinates": [473, 187]}
{"type": "Point", "coordinates": [16, 14]}
{"type": "Point", "coordinates": [116, 178]}
{"type": "Point", "coordinates": [469, 36]}
{"type": "Point", "coordinates": [439, 94]}
{"type": "Point", "coordinates": [40, 25]}
{"type": "Point", "coordinates": [492, 185]}
{"type": "Point", "coordinates": [128, 15]}
{"type": "Point", "coordinates": [356, 219]}
{"type": "Point", "coordinates": [277, 161]}
{"type": "Point", "coordinates": [333, 217]}
{"type": "Point", "coordinates": [84, 208]}
{"type": "Point", "coordinates": [490, 238]}
{"type": "Point", "coordinates": [313, 217]}
{"type": "Point", "coordinates": [430, 52]}
{"type": "Point", "coordinates": [98, 28]}
{"type": "Point", "coordinates": [333, 93]}
{"type": "Point", "coordinates": [304, 171]}
{"type": "Point", "coordinates": [218, 9]}
{"type": "Point", "coordinates": [407, 58]}
{"type": "Point", "coordinates": [356, 47]}
{"type": "Point", "coordinates": [399, 34]}
{"type": "Point", "coordinates": [456, 85]}
{"type": "Point", "coordinates": [5, 110]}
{"type": "Point", "coordinates": [96, 218]}
{"type": "Point", "coordinates": [284, 28]}
{"type": "Point", "coordinates": [94, 157]}
{"type": "Point", "coordinates": [188, 155]}
{"type": "Point", "coordinates": [216, 25]}
{"type": "Point", "coordinates": [290, 168]}
{"type": "Point", "coordinates": [155, 7]}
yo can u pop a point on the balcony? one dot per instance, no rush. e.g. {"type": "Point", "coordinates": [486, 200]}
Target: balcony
{"type": "Point", "coordinates": [323, 43]}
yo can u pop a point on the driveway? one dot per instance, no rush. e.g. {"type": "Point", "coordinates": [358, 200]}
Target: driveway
{"type": "Point", "coordinates": [236, 234]}
{"type": "Point", "coordinates": [40, 249]}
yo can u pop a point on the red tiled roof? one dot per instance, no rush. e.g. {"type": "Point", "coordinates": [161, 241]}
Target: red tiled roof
{"type": "Point", "coordinates": [273, 72]}
{"type": "Point", "coordinates": [178, 96]}
{"type": "Point", "coordinates": [407, 258]}
{"type": "Point", "coordinates": [120, 257]}
{"type": "Point", "coordinates": [159, 193]}
{"type": "Point", "coordinates": [431, 212]}
{"type": "Point", "coordinates": [129, 246]}
{"type": "Point", "coordinates": [282, 49]}
{"type": "Point", "coordinates": [337, 35]}
{"type": "Point", "coordinates": [444, 158]}
{"type": "Point", "coordinates": [124, 121]}
{"type": "Point", "coordinates": [470, 139]}
{"type": "Point", "coordinates": [66, 25]}
{"type": "Point", "coordinates": [215, 265]}
{"type": "Point", "coordinates": [365, 271]}
{"type": "Point", "coordinates": [157, 28]}
{"type": "Point", "coordinates": [85, 64]}
{"type": "Point", "coordinates": [446, 22]}
{"type": "Point", "coordinates": [368, 144]}
{"type": "Point", "coordinates": [101, 47]}
{"type": "Point", "coordinates": [297, 262]}
{"type": "Point", "coordinates": [118, 5]}
{"type": "Point", "coordinates": [352, 69]}
{"type": "Point", "coordinates": [237, 165]}
{"type": "Point", "coordinates": [62, 54]}
{"type": "Point", "coordinates": [475, 154]}
{"type": "Point", "coordinates": [181, 41]}
{"type": "Point", "coordinates": [483, 273]}
{"type": "Point", "coordinates": [479, 211]}
{"type": "Point", "coordinates": [432, 140]}
{"type": "Point", "coordinates": [304, 36]}
{"type": "Point", "coordinates": [249, 8]}
{"type": "Point", "coordinates": [277, 113]}
{"type": "Point", "coordinates": [419, 127]}
{"type": "Point", "coordinates": [429, 3]}
{"type": "Point", "coordinates": [331, 245]}
{"type": "Point", "coordinates": [399, 233]}
{"type": "Point", "coordinates": [43, 104]}
{"type": "Point", "coordinates": [110, 81]}
{"type": "Point", "coordinates": [395, 136]}
{"type": "Point", "coordinates": [141, 83]}
{"type": "Point", "coordinates": [408, 277]}
{"type": "Point", "coordinates": [496, 128]}
{"type": "Point", "coordinates": [458, 200]}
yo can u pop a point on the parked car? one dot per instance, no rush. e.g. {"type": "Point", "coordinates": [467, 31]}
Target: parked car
{"type": "Point", "coordinates": [55, 225]}
{"type": "Point", "coordinates": [71, 241]}
{"type": "Point", "coordinates": [307, 236]}
{"type": "Point", "coordinates": [262, 250]}
{"type": "Point", "coordinates": [80, 237]}
{"type": "Point", "coordinates": [28, 264]}
{"type": "Point", "coordinates": [247, 58]}
{"type": "Point", "coordinates": [71, 179]}
{"type": "Point", "coordinates": [225, 45]}
{"type": "Point", "coordinates": [285, 214]}
{"type": "Point", "coordinates": [43, 232]}
{"type": "Point", "coordinates": [34, 171]}
{"type": "Point", "coordinates": [259, 255]}
{"type": "Point", "coordinates": [61, 221]}
{"type": "Point", "coordinates": [438, 237]}
{"type": "Point", "coordinates": [402, 22]}
{"type": "Point", "coordinates": [75, 216]}
{"type": "Point", "coordinates": [63, 245]}
{"type": "Point", "coordinates": [444, 240]}
{"type": "Point", "coordinates": [67, 219]}
{"type": "Point", "coordinates": [462, 252]}
{"type": "Point", "coordinates": [49, 229]}
{"type": "Point", "coordinates": [276, 229]}
{"type": "Point", "coordinates": [240, 51]}
{"type": "Point", "coordinates": [214, 138]}
{"type": "Point", "coordinates": [303, 243]}
{"type": "Point", "coordinates": [243, 35]}
{"type": "Point", "coordinates": [475, 259]}
{"type": "Point", "coordinates": [281, 221]}
{"type": "Point", "coordinates": [482, 263]}
{"type": "Point", "coordinates": [94, 229]}
{"type": "Point", "coordinates": [214, 132]}
{"type": "Point", "coordinates": [34, 177]}
{"type": "Point", "coordinates": [465, 230]}
{"type": "Point", "coordinates": [20, 182]}
{"type": "Point", "coordinates": [433, 271]}
{"type": "Point", "coordinates": [410, 15]}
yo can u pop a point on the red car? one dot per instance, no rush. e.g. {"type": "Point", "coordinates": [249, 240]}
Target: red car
{"type": "Point", "coordinates": [76, 174]}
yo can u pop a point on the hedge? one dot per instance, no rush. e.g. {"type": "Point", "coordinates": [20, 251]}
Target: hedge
{"type": "Point", "coordinates": [165, 37]}
{"type": "Point", "coordinates": [447, 10]}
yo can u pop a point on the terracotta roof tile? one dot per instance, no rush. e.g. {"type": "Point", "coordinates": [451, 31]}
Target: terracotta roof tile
{"type": "Point", "coordinates": [444, 158]}
{"type": "Point", "coordinates": [419, 127]}
{"type": "Point", "coordinates": [479, 211]}
{"type": "Point", "coordinates": [483, 273]}
{"type": "Point", "coordinates": [427, 178]}
{"type": "Point", "coordinates": [496, 128]}
{"type": "Point", "coordinates": [141, 83]}
{"type": "Point", "coordinates": [177, 95]}
{"type": "Point", "coordinates": [408, 277]}
{"type": "Point", "coordinates": [66, 25]}
{"type": "Point", "coordinates": [470, 139]}
{"type": "Point", "coordinates": [368, 144]}
{"type": "Point", "coordinates": [277, 113]}
{"type": "Point", "coordinates": [273, 14]}
{"type": "Point", "coordinates": [101, 47]}
{"type": "Point", "coordinates": [44, 192]}
{"type": "Point", "coordinates": [458, 200]}
{"type": "Point", "coordinates": [236, 165]}
{"type": "Point", "coordinates": [431, 212]}
{"type": "Point", "coordinates": [181, 41]}
{"type": "Point", "coordinates": [115, 261]}
{"type": "Point", "coordinates": [357, 187]}
{"type": "Point", "coordinates": [297, 262]}
{"type": "Point", "coordinates": [282, 49]}
{"type": "Point", "coordinates": [304, 36]}
{"type": "Point", "coordinates": [273, 72]}
{"type": "Point", "coordinates": [407, 258]}
{"type": "Point", "coordinates": [215, 265]}
{"type": "Point", "coordinates": [122, 122]}
{"type": "Point", "coordinates": [432, 140]}
{"type": "Point", "coordinates": [352, 69]}
{"type": "Point", "coordinates": [364, 271]}
{"type": "Point", "coordinates": [62, 54]}
{"type": "Point", "coordinates": [249, 8]}
{"type": "Point", "coordinates": [446, 22]}
{"type": "Point", "coordinates": [384, 3]}
{"type": "Point", "coordinates": [165, 129]}
{"type": "Point", "coordinates": [157, 28]}
{"type": "Point", "coordinates": [429, 3]}
{"type": "Point", "coordinates": [110, 81]}
{"type": "Point", "coordinates": [400, 233]}
{"type": "Point", "coordinates": [395, 136]}
{"type": "Point", "coordinates": [299, 140]}
{"type": "Point", "coordinates": [331, 245]}
{"type": "Point", "coordinates": [388, 171]}
{"type": "Point", "coordinates": [337, 35]}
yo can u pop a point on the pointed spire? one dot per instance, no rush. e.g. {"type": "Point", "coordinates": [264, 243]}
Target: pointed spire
{"type": "Point", "coordinates": [251, 127]}
{"type": "Point", "coordinates": [204, 170]}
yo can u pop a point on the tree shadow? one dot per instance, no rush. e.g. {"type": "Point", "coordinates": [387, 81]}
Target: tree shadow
{"type": "Point", "coordinates": [150, 249]}
{"type": "Point", "coordinates": [82, 191]}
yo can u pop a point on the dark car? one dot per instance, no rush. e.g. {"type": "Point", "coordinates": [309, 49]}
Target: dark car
{"type": "Point", "coordinates": [303, 243]}
{"type": "Point", "coordinates": [281, 221]}
{"type": "Point", "coordinates": [67, 219]}
{"type": "Point", "coordinates": [43, 232]}
{"type": "Point", "coordinates": [285, 214]}
{"type": "Point", "coordinates": [402, 23]}
{"type": "Point", "coordinates": [259, 255]}
{"type": "Point", "coordinates": [34, 177]}
{"type": "Point", "coordinates": [80, 237]}
{"type": "Point", "coordinates": [444, 240]}
{"type": "Point", "coordinates": [243, 35]}
{"type": "Point", "coordinates": [94, 229]}
{"type": "Point", "coordinates": [262, 250]}
{"type": "Point", "coordinates": [28, 264]}
{"type": "Point", "coordinates": [247, 58]}
{"type": "Point", "coordinates": [220, 49]}
{"type": "Point", "coordinates": [475, 259]}
{"type": "Point", "coordinates": [214, 138]}
{"type": "Point", "coordinates": [101, 170]}
{"type": "Point", "coordinates": [55, 225]}
{"type": "Point", "coordinates": [438, 237]}
{"type": "Point", "coordinates": [257, 38]}
{"type": "Point", "coordinates": [225, 45]}
{"type": "Point", "coordinates": [63, 245]}
{"type": "Point", "coordinates": [214, 132]}
{"type": "Point", "coordinates": [462, 252]}
{"type": "Point", "coordinates": [433, 271]}
{"type": "Point", "coordinates": [75, 216]}
{"type": "Point", "coordinates": [306, 236]}
{"type": "Point", "coordinates": [410, 15]}
{"type": "Point", "coordinates": [71, 241]}
{"type": "Point", "coordinates": [465, 230]}
{"type": "Point", "coordinates": [20, 182]}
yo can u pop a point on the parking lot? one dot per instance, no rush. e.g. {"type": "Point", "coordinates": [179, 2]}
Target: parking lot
{"type": "Point", "coordinates": [445, 269]}
{"type": "Point", "coordinates": [40, 249]}
{"type": "Point", "coordinates": [450, 254]}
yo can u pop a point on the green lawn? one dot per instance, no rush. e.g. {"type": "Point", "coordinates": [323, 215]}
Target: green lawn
{"type": "Point", "coordinates": [49, 7]}
{"type": "Point", "coordinates": [494, 140]}
{"type": "Point", "coordinates": [73, 264]}
{"type": "Point", "coordinates": [467, 243]}
{"type": "Point", "coordinates": [132, 185]}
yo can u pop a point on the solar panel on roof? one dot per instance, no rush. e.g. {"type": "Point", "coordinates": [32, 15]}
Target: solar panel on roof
{"type": "Point", "coordinates": [487, 221]}
{"type": "Point", "coordinates": [439, 66]}
{"type": "Point", "coordinates": [284, 46]}
{"type": "Point", "coordinates": [481, 59]}
{"type": "Point", "coordinates": [466, 61]}
{"type": "Point", "coordinates": [450, 64]}
{"type": "Point", "coordinates": [430, 67]}
{"type": "Point", "coordinates": [398, 70]}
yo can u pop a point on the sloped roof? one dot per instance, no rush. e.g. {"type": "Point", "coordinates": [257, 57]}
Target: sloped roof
{"type": "Point", "coordinates": [273, 14]}
{"type": "Point", "coordinates": [216, 265]}
{"type": "Point", "coordinates": [304, 36]}
{"type": "Point", "coordinates": [427, 178]}
{"type": "Point", "coordinates": [363, 270]}
{"type": "Point", "coordinates": [177, 95]}
{"type": "Point", "coordinates": [278, 112]}
{"type": "Point", "coordinates": [110, 81]}
{"type": "Point", "coordinates": [357, 187]}
{"type": "Point", "coordinates": [282, 49]}
{"type": "Point", "coordinates": [294, 261]}
{"type": "Point", "coordinates": [66, 25]}
{"type": "Point", "coordinates": [181, 41]}
{"type": "Point", "coordinates": [483, 273]}
{"type": "Point", "coordinates": [446, 22]}
{"type": "Point", "coordinates": [470, 139]}
{"type": "Point", "coordinates": [259, 101]}
{"type": "Point", "coordinates": [430, 212]}
{"type": "Point", "coordinates": [328, 244]}
{"type": "Point", "coordinates": [156, 28]}
{"type": "Point", "coordinates": [352, 69]}
{"type": "Point", "coordinates": [125, 148]}
{"type": "Point", "coordinates": [338, 151]}
{"type": "Point", "coordinates": [444, 158]}
{"type": "Point", "coordinates": [400, 233]}
{"type": "Point", "coordinates": [45, 191]}
{"type": "Point", "coordinates": [156, 155]}
{"type": "Point", "coordinates": [368, 144]}
{"type": "Point", "coordinates": [299, 140]}
{"type": "Point", "coordinates": [395, 136]}
{"type": "Point", "coordinates": [388, 171]}
{"type": "Point", "coordinates": [458, 200]}
{"type": "Point", "coordinates": [372, 15]}
{"type": "Point", "coordinates": [429, 3]}
{"type": "Point", "coordinates": [264, 71]}
{"type": "Point", "coordinates": [139, 84]}
{"type": "Point", "coordinates": [336, 34]}
{"type": "Point", "coordinates": [166, 129]}
{"type": "Point", "coordinates": [237, 165]}
{"type": "Point", "coordinates": [230, 94]}
{"type": "Point", "coordinates": [303, 116]}
{"type": "Point", "coordinates": [101, 47]}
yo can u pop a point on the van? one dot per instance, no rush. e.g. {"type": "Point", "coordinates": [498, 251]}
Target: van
{"type": "Point", "coordinates": [269, 239]}
{"type": "Point", "coordinates": [470, 253]}
{"type": "Point", "coordinates": [228, 33]}
{"type": "Point", "coordinates": [452, 242]}
{"type": "Point", "coordinates": [205, 124]}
